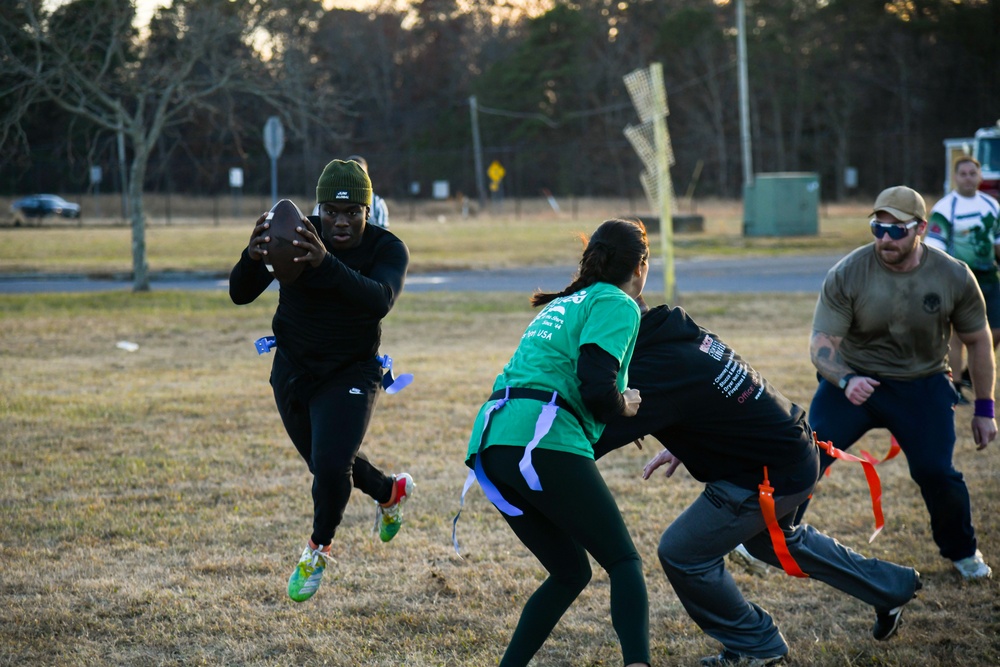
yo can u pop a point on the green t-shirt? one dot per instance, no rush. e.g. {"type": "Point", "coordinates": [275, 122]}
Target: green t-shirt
{"type": "Point", "coordinates": [897, 325]}
{"type": "Point", "coordinates": [546, 359]}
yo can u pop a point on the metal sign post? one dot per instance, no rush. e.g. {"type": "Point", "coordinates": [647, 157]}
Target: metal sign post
{"type": "Point", "coordinates": [96, 175]}
{"type": "Point", "coordinates": [496, 173]}
{"type": "Point", "coordinates": [651, 142]}
{"type": "Point", "coordinates": [274, 143]}
{"type": "Point", "coordinates": [236, 185]}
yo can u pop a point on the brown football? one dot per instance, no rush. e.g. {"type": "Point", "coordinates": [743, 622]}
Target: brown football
{"type": "Point", "coordinates": [284, 217]}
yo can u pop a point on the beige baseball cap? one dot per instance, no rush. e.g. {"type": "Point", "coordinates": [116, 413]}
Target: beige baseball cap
{"type": "Point", "coordinates": [902, 203]}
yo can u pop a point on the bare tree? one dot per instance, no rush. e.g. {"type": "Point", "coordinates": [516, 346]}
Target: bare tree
{"type": "Point", "coordinates": [699, 66]}
{"type": "Point", "coordinates": [87, 58]}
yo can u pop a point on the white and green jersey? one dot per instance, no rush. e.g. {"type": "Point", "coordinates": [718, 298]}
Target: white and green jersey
{"type": "Point", "coordinates": [968, 228]}
{"type": "Point", "coordinates": [546, 359]}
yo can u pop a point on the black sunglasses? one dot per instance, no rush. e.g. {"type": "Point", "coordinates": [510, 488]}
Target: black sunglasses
{"type": "Point", "coordinates": [895, 232]}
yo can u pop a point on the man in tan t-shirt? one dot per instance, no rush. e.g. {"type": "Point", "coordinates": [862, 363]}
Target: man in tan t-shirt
{"type": "Point", "coordinates": [880, 338]}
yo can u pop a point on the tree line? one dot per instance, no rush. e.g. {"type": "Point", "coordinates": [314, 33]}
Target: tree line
{"type": "Point", "coordinates": [872, 84]}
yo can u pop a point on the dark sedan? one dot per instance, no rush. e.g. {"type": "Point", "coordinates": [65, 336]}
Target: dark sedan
{"type": "Point", "coordinates": [40, 206]}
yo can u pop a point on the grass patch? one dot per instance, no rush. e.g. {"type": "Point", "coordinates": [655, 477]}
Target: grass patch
{"type": "Point", "coordinates": [151, 506]}
{"type": "Point", "coordinates": [501, 240]}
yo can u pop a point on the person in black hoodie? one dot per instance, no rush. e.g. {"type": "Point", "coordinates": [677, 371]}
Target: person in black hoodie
{"type": "Point", "coordinates": [734, 431]}
{"type": "Point", "coordinates": [326, 373]}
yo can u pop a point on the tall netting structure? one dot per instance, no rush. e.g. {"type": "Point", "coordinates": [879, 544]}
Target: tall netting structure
{"type": "Point", "coordinates": [651, 142]}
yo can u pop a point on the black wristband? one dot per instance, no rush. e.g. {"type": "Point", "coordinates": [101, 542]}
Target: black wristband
{"type": "Point", "coordinates": [844, 380]}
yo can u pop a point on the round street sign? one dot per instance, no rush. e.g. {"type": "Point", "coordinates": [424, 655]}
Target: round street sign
{"type": "Point", "coordinates": [274, 137]}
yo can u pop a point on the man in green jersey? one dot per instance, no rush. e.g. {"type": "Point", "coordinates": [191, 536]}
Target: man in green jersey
{"type": "Point", "coordinates": [965, 223]}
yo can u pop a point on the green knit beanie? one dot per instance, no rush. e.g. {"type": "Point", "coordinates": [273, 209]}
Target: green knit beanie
{"type": "Point", "coordinates": [344, 180]}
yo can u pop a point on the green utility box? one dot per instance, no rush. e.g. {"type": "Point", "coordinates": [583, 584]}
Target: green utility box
{"type": "Point", "coordinates": [782, 204]}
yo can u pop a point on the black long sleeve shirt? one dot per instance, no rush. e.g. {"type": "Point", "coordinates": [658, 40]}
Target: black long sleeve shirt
{"type": "Point", "coordinates": [711, 408]}
{"type": "Point", "coordinates": [331, 315]}
{"type": "Point", "coordinates": [598, 374]}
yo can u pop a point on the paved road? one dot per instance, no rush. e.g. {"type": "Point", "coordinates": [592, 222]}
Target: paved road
{"type": "Point", "coordinates": [757, 274]}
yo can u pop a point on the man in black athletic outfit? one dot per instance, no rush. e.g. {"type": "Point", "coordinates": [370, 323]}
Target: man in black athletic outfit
{"type": "Point", "coordinates": [712, 411]}
{"type": "Point", "coordinates": [325, 375]}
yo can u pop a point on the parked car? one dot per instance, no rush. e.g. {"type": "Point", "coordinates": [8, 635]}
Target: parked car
{"type": "Point", "coordinates": [40, 206]}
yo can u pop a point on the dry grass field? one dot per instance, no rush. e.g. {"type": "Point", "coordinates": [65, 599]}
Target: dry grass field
{"type": "Point", "coordinates": [438, 236]}
{"type": "Point", "coordinates": [152, 508]}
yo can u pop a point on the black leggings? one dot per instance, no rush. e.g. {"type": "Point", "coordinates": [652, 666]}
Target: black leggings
{"type": "Point", "coordinates": [327, 422]}
{"type": "Point", "coordinates": [574, 514]}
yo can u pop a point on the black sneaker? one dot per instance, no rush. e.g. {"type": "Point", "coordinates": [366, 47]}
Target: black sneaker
{"type": "Point", "coordinates": [735, 659]}
{"type": "Point", "coordinates": [887, 622]}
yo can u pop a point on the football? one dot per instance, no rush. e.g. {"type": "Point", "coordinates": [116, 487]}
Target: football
{"type": "Point", "coordinates": [284, 217]}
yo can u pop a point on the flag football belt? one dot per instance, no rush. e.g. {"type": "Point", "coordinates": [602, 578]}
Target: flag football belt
{"type": "Point", "coordinates": [390, 382]}
{"type": "Point", "coordinates": [552, 403]}
{"type": "Point", "coordinates": [766, 497]}
{"type": "Point", "coordinates": [894, 450]}
{"type": "Point", "coordinates": [543, 395]}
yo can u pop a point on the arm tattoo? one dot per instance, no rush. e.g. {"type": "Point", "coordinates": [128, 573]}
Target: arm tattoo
{"type": "Point", "coordinates": [824, 351]}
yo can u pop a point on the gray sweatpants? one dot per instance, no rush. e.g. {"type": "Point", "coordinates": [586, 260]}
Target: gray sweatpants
{"type": "Point", "coordinates": [693, 548]}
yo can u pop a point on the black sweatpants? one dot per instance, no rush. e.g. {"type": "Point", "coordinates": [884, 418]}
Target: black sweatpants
{"type": "Point", "coordinates": [574, 514]}
{"type": "Point", "coordinates": [926, 436]}
{"type": "Point", "coordinates": [327, 421]}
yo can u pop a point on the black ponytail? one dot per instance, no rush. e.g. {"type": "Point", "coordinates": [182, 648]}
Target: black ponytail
{"type": "Point", "coordinates": [615, 249]}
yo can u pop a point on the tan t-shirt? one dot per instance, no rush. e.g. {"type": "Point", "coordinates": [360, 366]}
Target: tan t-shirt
{"type": "Point", "coordinates": [897, 325]}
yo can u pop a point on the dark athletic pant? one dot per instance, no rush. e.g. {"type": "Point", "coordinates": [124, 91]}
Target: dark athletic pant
{"type": "Point", "coordinates": [573, 514]}
{"type": "Point", "coordinates": [327, 422]}
{"type": "Point", "coordinates": [693, 548]}
{"type": "Point", "coordinates": [921, 414]}
{"type": "Point", "coordinates": [692, 553]}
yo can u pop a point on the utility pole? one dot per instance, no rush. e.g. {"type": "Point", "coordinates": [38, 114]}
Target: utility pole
{"type": "Point", "coordinates": [741, 57]}
{"type": "Point", "coordinates": [477, 150]}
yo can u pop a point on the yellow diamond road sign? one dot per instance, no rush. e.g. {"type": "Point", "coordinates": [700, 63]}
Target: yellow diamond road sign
{"type": "Point", "coordinates": [496, 171]}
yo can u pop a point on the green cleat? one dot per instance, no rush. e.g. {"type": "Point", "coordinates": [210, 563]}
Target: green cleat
{"type": "Point", "coordinates": [308, 573]}
{"type": "Point", "coordinates": [389, 519]}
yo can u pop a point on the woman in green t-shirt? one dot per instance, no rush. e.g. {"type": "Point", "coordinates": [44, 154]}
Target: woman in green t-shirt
{"type": "Point", "coordinates": [532, 444]}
